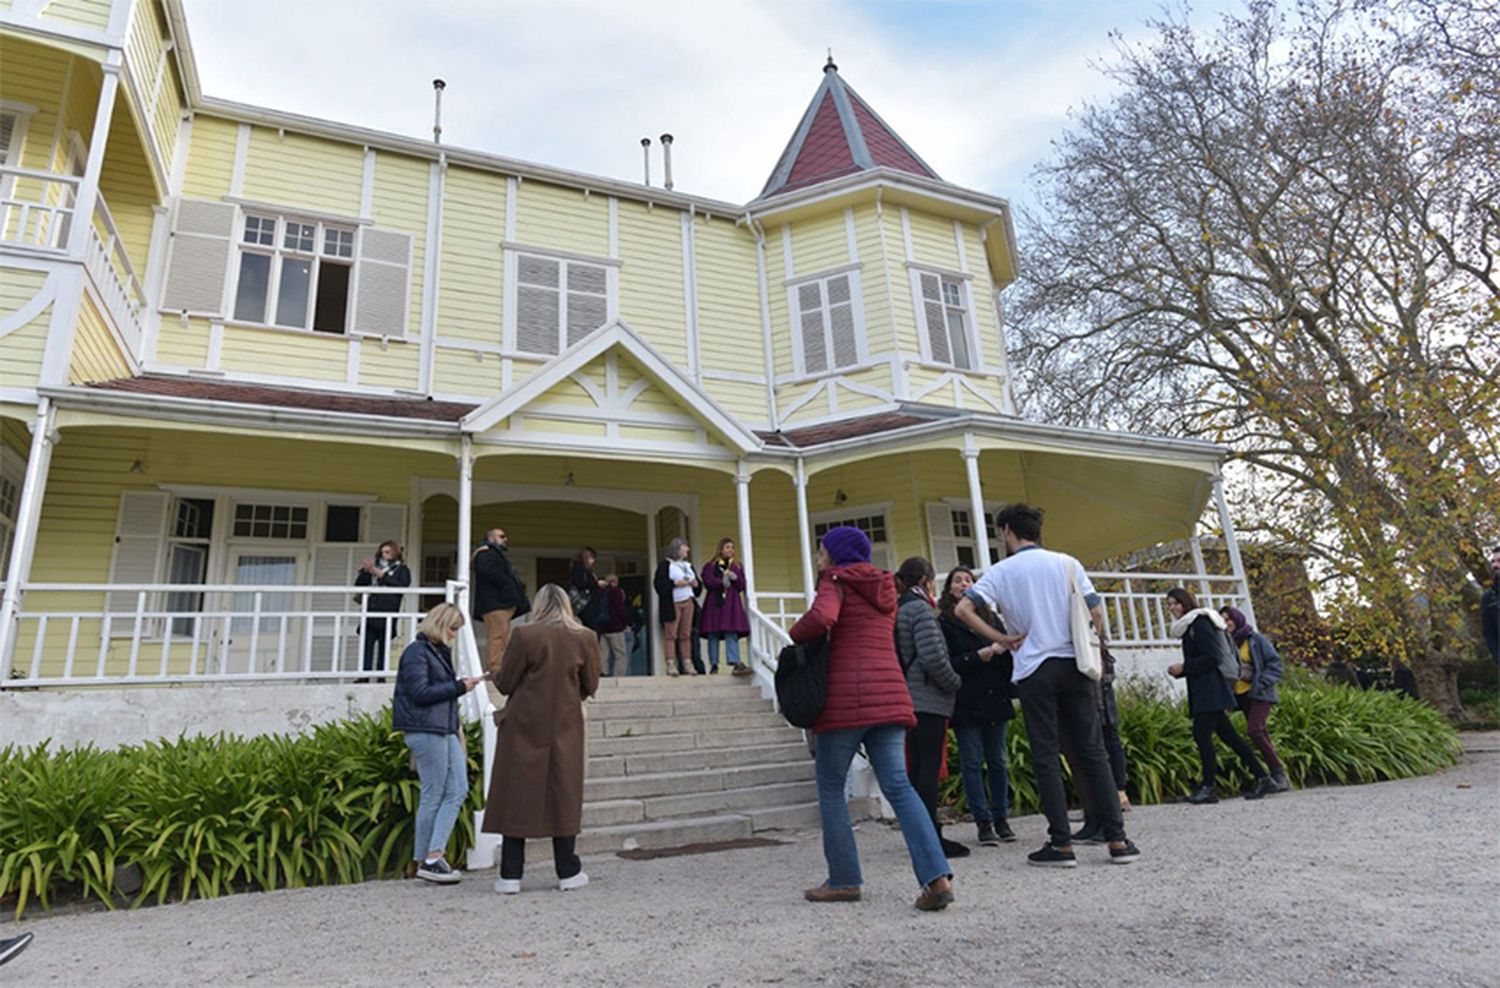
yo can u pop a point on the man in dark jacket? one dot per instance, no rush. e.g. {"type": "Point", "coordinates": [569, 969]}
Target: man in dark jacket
{"type": "Point", "coordinates": [499, 595]}
{"type": "Point", "coordinates": [1489, 608]}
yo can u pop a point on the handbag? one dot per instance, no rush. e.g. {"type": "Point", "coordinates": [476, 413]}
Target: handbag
{"type": "Point", "coordinates": [802, 681]}
{"type": "Point", "coordinates": [1086, 647]}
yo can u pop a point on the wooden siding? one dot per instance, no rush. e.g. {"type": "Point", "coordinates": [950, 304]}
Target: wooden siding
{"type": "Point", "coordinates": [932, 241]}
{"type": "Point", "coordinates": [729, 315]}
{"type": "Point", "coordinates": [874, 275]}
{"type": "Point", "coordinates": [153, 77]}
{"type": "Point", "coordinates": [400, 203]}
{"type": "Point", "coordinates": [96, 355]}
{"type": "Point", "coordinates": [182, 346]}
{"type": "Point", "coordinates": [471, 285]}
{"type": "Point", "coordinates": [296, 170]}
{"type": "Point", "coordinates": [210, 162]}
{"type": "Point", "coordinates": [651, 296]}
{"type": "Point", "coordinates": [467, 374]}
{"type": "Point", "coordinates": [93, 14]}
{"type": "Point", "coordinates": [395, 365]}
{"type": "Point", "coordinates": [903, 315]}
{"type": "Point", "coordinates": [128, 188]}
{"type": "Point", "coordinates": [21, 351]}
{"type": "Point", "coordinates": [268, 351]}
{"type": "Point", "coordinates": [562, 219]}
{"type": "Point", "coordinates": [819, 244]}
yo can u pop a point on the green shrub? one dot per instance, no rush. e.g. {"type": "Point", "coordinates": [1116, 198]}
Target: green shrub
{"type": "Point", "coordinates": [1324, 734]}
{"type": "Point", "coordinates": [208, 816]}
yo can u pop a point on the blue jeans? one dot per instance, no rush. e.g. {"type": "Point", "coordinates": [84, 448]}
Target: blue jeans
{"type": "Point", "coordinates": [982, 746]}
{"type": "Point", "coordinates": [885, 745]}
{"type": "Point", "coordinates": [731, 647]}
{"type": "Point", "coordinates": [445, 785]}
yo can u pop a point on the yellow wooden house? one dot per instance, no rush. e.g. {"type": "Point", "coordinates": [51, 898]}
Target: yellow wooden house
{"type": "Point", "coordinates": [240, 347]}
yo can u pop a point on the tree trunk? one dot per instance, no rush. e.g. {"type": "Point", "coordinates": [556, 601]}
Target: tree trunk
{"type": "Point", "coordinates": [1437, 683]}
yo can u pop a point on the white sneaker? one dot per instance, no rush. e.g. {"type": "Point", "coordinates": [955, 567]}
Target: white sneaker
{"type": "Point", "coordinates": [578, 881]}
{"type": "Point", "coordinates": [508, 886]}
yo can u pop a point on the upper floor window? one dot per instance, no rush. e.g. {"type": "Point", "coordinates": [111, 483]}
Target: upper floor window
{"type": "Point", "coordinates": [294, 273]}
{"type": "Point", "coordinates": [559, 301]}
{"type": "Point", "coordinates": [870, 521]}
{"type": "Point", "coordinates": [827, 324]}
{"type": "Point", "coordinates": [948, 326]}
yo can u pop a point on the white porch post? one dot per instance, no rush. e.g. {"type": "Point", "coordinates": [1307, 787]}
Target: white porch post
{"type": "Point", "coordinates": [88, 186]}
{"type": "Point", "coordinates": [414, 533]}
{"type": "Point", "coordinates": [1237, 564]}
{"type": "Point", "coordinates": [465, 505]}
{"type": "Point", "coordinates": [28, 515]}
{"type": "Point", "coordinates": [976, 503]}
{"type": "Point", "coordinates": [1195, 546]}
{"type": "Point", "coordinates": [804, 533]}
{"type": "Point", "coordinates": [653, 606]}
{"type": "Point", "coordinates": [742, 500]}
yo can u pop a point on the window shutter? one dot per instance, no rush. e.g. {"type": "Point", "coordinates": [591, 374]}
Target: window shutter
{"type": "Point", "coordinates": [814, 345]}
{"type": "Point", "coordinates": [841, 322]}
{"type": "Point", "coordinates": [140, 541]}
{"type": "Point", "coordinates": [7, 134]}
{"type": "Point", "coordinates": [336, 564]}
{"type": "Point", "coordinates": [198, 264]}
{"type": "Point", "coordinates": [382, 277]}
{"type": "Point", "coordinates": [935, 319]}
{"type": "Point", "coordinates": [538, 283]}
{"type": "Point", "coordinates": [940, 536]}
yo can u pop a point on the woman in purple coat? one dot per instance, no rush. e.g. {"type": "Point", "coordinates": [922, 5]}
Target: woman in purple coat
{"type": "Point", "coordinates": [724, 616]}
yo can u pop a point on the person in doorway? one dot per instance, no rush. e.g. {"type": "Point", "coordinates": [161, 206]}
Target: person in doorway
{"type": "Point", "coordinates": [981, 711]}
{"type": "Point", "coordinates": [676, 586]}
{"type": "Point", "coordinates": [385, 569]}
{"type": "Point", "coordinates": [932, 682]}
{"type": "Point", "coordinates": [1255, 691]}
{"type": "Point", "coordinates": [425, 708]}
{"type": "Point", "coordinates": [867, 705]}
{"type": "Point", "coordinates": [499, 596]}
{"type": "Point", "coordinates": [614, 652]}
{"type": "Point", "coordinates": [1210, 696]}
{"type": "Point", "coordinates": [1489, 608]}
{"type": "Point", "coordinates": [586, 590]}
{"type": "Point", "coordinates": [550, 667]}
{"type": "Point", "coordinates": [1032, 589]}
{"type": "Point", "coordinates": [724, 616]}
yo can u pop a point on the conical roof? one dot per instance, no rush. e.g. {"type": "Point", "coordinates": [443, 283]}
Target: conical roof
{"type": "Point", "coordinates": [839, 135]}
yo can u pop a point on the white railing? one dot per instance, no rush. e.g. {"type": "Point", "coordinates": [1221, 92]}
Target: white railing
{"type": "Point", "coordinates": [782, 609]}
{"type": "Point", "coordinates": [767, 638]}
{"type": "Point", "coordinates": [114, 276]}
{"type": "Point", "coordinates": [159, 634]}
{"type": "Point", "coordinates": [36, 207]}
{"type": "Point", "coordinates": [1135, 604]}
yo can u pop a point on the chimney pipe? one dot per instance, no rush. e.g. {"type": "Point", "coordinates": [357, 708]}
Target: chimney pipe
{"type": "Point", "coordinates": [666, 161]}
{"type": "Point", "coordinates": [646, 158]}
{"type": "Point", "coordinates": [438, 86]}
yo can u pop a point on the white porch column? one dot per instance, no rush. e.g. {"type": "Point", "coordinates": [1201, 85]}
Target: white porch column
{"type": "Point", "coordinates": [88, 186]}
{"type": "Point", "coordinates": [414, 527]}
{"type": "Point", "coordinates": [653, 606]}
{"type": "Point", "coordinates": [804, 531]}
{"type": "Point", "coordinates": [1195, 546]}
{"type": "Point", "coordinates": [976, 503]}
{"type": "Point", "coordinates": [1235, 562]}
{"type": "Point", "coordinates": [465, 506]}
{"type": "Point", "coordinates": [28, 515]}
{"type": "Point", "coordinates": [742, 501]}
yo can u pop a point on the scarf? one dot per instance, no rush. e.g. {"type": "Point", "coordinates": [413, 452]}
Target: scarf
{"type": "Point", "coordinates": [1180, 626]}
{"type": "Point", "coordinates": [722, 566]}
{"type": "Point", "coordinates": [1242, 629]}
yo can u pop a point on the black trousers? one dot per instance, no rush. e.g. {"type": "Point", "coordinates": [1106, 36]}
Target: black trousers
{"type": "Point", "coordinates": [1116, 752]}
{"type": "Point", "coordinates": [1205, 726]}
{"type": "Point", "coordinates": [924, 749]}
{"type": "Point", "coordinates": [513, 857]}
{"type": "Point", "coordinates": [1059, 702]}
{"type": "Point", "coordinates": [377, 637]}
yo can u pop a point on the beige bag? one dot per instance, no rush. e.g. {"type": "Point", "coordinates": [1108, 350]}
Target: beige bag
{"type": "Point", "coordinates": [1081, 624]}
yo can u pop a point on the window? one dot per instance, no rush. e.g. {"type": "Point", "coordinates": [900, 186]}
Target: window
{"type": "Point", "coordinates": [187, 559]}
{"type": "Point", "coordinates": [945, 312]}
{"type": "Point", "coordinates": [270, 521]}
{"type": "Point", "coordinates": [965, 548]}
{"type": "Point", "coordinates": [872, 523]}
{"type": "Point", "coordinates": [558, 302]}
{"type": "Point", "coordinates": [826, 323]}
{"type": "Point", "coordinates": [341, 524]}
{"type": "Point", "coordinates": [294, 274]}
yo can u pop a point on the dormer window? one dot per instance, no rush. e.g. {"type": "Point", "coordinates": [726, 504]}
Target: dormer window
{"type": "Point", "coordinates": [827, 322]}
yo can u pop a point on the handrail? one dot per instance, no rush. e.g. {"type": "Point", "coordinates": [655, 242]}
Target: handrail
{"type": "Point", "coordinates": [1147, 575]}
{"type": "Point", "coordinates": [15, 171]}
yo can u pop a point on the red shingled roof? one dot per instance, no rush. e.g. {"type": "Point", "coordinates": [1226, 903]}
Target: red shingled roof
{"type": "Point", "coordinates": [816, 435]}
{"type": "Point", "coordinates": [825, 151]}
{"type": "Point", "coordinates": [254, 394]}
{"type": "Point", "coordinates": [885, 147]}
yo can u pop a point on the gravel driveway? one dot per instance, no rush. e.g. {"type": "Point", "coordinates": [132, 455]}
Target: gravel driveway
{"type": "Point", "coordinates": [1397, 883]}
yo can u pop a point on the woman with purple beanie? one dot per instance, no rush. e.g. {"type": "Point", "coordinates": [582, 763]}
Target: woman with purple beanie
{"type": "Point", "coordinates": [1260, 671]}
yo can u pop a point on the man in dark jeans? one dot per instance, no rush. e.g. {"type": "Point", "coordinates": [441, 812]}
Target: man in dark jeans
{"type": "Point", "coordinates": [1031, 590]}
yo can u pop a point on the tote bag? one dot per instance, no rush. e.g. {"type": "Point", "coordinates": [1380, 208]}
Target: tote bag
{"type": "Point", "coordinates": [1085, 644]}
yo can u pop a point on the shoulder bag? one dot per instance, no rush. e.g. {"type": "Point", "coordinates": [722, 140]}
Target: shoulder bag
{"type": "Point", "coordinates": [802, 679]}
{"type": "Point", "coordinates": [1086, 646]}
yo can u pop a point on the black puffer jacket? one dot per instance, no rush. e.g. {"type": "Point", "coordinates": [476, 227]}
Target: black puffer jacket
{"type": "Point", "coordinates": [984, 697]}
{"type": "Point", "coordinates": [496, 584]}
{"type": "Point", "coordinates": [427, 691]}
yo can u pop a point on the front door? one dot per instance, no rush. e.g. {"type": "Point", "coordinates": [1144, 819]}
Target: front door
{"type": "Point", "coordinates": [270, 641]}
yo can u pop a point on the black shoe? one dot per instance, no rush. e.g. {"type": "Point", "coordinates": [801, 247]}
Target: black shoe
{"type": "Point", "coordinates": [1262, 788]}
{"type": "Point", "coordinates": [1091, 833]}
{"type": "Point", "coordinates": [11, 946]}
{"type": "Point", "coordinates": [1003, 831]}
{"type": "Point", "coordinates": [1204, 794]}
{"type": "Point", "coordinates": [1126, 853]}
{"type": "Point", "coordinates": [952, 848]}
{"type": "Point", "coordinates": [439, 872]}
{"type": "Point", "coordinates": [1280, 783]}
{"type": "Point", "coordinates": [1051, 857]}
{"type": "Point", "coordinates": [713, 671]}
{"type": "Point", "coordinates": [987, 835]}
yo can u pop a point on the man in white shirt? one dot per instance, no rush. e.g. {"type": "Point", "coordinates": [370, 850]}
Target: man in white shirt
{"type": "Point", "coordinates": [1030, 589]}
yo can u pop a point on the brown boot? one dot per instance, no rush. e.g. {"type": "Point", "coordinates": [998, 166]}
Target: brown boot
{"type": "Point", "coordinates": [937, 895]}
{"type": "Point", "coordinates": [827, 893]}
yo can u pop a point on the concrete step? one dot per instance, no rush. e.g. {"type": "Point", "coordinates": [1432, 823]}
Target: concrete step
{"type": "Point", "coordinates": [725, 800]}
{"type": "Point", "coordinates": [797, 816]}
{"type": "Point", "coordinates": [777, 747]}
{"type": "Point", "coordinates": [663, 688]}
{"type": "Point", "coordinates": [704, 780]}
{"type": "Point", "coordinates": [743, 737]}
{"type": "Point", "coordinates": [633, 727]}
{"type": "Point", "coordinates": [660, 833]}
{"type": "Point", "coordinates": [629, 708]}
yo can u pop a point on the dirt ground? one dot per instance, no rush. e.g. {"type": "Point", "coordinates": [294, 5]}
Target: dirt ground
{"type": "Point", "coordinates": [1396, 883]}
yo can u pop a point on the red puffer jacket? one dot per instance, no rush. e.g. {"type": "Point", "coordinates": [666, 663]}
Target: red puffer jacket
{"type": "Point", "coordinates": [865, 684]}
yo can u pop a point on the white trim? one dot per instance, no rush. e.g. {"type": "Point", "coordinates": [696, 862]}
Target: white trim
{"type": "Point", "coordinates": [851, 235]}
{"type": "Point", "coordinates": [260, 494]}
{"type": "Point", "coordinates": [512, 191]}
{"type": "Point", "coordinates": [942, 272]}
{"type": "Point", "coordinates": [514, 253]}
{"type": "Point", "coordinates": [690, 295]}
{"type": "Point", "coordinates": [427, 327]}
{"type": "Point", "coordinates": [286, 211]}
{"type": "Point", "coordinates": [241, 153]}
{"type": "Point", "coordinates": [768, 355]}
{"type": "Point", "coordinates": [351, 362]}
{"type": "Point", "coordinates": [856, 318]}
{"type": "Point", "coordinates": [46, 294]}
{"type": "Point", "coordinates": [367, 184]}
{"type": "Point", "coordinates": [958, 242]}
{"type": "Point", "coordinates": [718, 375]}
{"type": "Point", "coordinates": [614, 228]}
{"type": "Point", "coordinates": [560, 255]}
{"type": "Point", "coordinates": [906, 234]}
{"type": "Point", "coordinates": [803, 279]}
{"type": "Point", "coordinates": [786, 253]}
{"type": "Point", "coordinates": [215, 352]}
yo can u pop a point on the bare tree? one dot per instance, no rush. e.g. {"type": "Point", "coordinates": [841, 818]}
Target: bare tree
{"type": "Point", "coordinates": [1282, 236]}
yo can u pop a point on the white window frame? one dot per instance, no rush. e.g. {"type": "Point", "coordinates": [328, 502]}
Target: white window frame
{"type": "Point", "coordinates": [997, 548]}
{"type": "Point", "coordinates": [857, 313]}
{"type": "Point", "coordinates": [510, 334]}
{"type": "Point", "coordinates": [22, 113]}
{"type": "Point", "coordinates": [851, 512]}
{"type": "Point", "coordinates": [964, 282]}
{"type": "Point", "coordinates": [278, 252]}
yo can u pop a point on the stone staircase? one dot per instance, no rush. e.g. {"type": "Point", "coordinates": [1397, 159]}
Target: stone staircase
{"type": "Point", "coordinates": [690, 760]}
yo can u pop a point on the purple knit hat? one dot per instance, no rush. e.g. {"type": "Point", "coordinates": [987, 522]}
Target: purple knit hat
{"type": "Point", "coordinates": [847, 544]}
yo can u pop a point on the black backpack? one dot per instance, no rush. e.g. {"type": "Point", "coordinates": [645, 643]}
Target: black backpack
{"type": "Point", "coordinates": [802, 681]}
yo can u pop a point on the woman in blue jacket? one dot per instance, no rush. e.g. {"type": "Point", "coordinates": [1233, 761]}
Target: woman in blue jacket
{"type": "Point", "coordinates": [425, 707]}
{"type": "Point", "coordinates": [1255, 691]}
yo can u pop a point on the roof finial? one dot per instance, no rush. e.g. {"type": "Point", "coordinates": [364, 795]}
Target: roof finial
{"type": "Point", "coordinates": [829, 66]}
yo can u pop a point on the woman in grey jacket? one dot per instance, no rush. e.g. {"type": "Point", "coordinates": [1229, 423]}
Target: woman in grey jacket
{"type": "Point", "coordinates": [932, 681]}
{"type": "Point", "coordinates": [1255, 691]}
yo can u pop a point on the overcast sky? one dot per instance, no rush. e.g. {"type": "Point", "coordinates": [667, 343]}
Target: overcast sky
{"type": "Point", "coordinates": [977, 88]}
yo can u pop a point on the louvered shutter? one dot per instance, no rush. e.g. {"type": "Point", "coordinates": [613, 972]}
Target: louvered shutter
{"type": "Point", "coordinates": [333, 565]}
{"type": "Point", "coordinates": [935, 319]}
{"type": "Point", "coordinates": [588, 301]}
{"type": "Point", "coordinates": [7, 134]}
{"type": "Point", "coordinates": [383, 522]}
{"type": "Point", "coordinates": [538, 282]}
{"type": "Point", "coordinates": [940, 536]}
{"type": "Point", "coordinates": [841, 322]}
{"type": "Point", "coordinates": [814, 345]}
{"type": "Point", "coordinates": [382, 276]}
{"type": "Point", "coordinates": [140, 543]}
{"type": "Point", "coordinates": [199, 258]}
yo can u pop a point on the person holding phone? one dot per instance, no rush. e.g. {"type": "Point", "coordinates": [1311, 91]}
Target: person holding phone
{"type": "Point", "coordinates": [384, 569]}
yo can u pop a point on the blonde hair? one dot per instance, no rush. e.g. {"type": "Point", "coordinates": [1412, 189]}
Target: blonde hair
{"type": "Point", "coordinates": [551, 605]}
{"type": "Point", "coordinates": [440, 622]}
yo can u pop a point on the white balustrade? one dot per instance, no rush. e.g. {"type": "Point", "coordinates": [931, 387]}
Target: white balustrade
{"type": "Point", "coordinates": [114, 276]}
{"type": "Point", "coordinates": [36, 207]}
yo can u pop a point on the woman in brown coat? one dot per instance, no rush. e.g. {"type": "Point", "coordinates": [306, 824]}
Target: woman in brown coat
{"type": "Point", "coordinates": [550, 666]}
